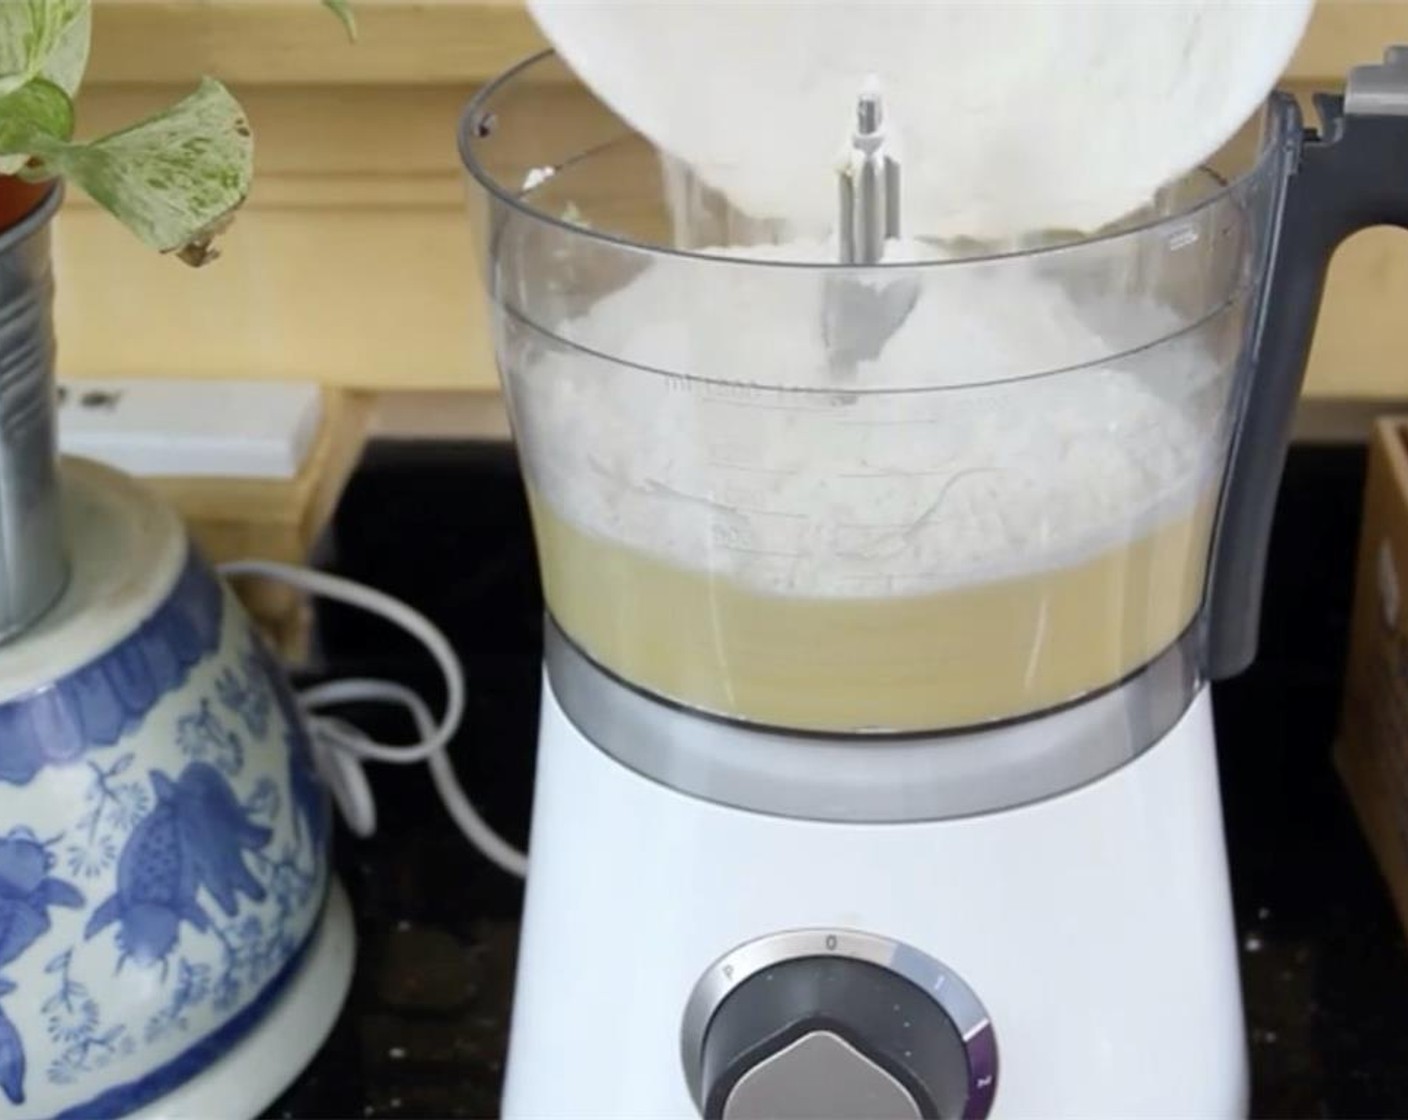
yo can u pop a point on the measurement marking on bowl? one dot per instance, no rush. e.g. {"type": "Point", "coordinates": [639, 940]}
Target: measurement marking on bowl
{"type": "Point", "coordinates": [894, 473]}
{"type": "Point", "coordinates": [1182, 238]}
{"type": "Point", "coordinates": [745, 550]}
{"type": "Point", "coordinates": [727, 465]}
{"type": "Point", "coordinates": [896, 422]}
{"type": "Point", "coordinates": [766, 406]}
{"type": "Point", "coordinates": [886, 526]}
{"type": "Point", "coordinates": [659, 489]}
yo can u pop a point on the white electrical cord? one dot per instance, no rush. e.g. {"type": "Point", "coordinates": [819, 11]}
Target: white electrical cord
{"type": "Point", "coordinates": [340, 748]}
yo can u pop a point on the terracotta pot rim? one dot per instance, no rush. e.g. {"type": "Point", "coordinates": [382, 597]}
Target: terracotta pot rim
{"type": "Point", "coordinates": [48, 195]}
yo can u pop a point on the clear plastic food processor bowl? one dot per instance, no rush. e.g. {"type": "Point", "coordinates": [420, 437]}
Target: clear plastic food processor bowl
{"type": "Point", "coordinates": [1000, 503]}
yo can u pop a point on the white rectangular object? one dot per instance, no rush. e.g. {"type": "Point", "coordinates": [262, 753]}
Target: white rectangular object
{"type": "Point", "coordinates": [197, 428]}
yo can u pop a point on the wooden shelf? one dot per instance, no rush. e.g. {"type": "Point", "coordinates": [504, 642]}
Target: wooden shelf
{"type": "Point", "coordinates": [276, 519]}
{"type": "Point", "coordinates": [422, 42]}
{"type": "Point", "coordinates": [296, 42]}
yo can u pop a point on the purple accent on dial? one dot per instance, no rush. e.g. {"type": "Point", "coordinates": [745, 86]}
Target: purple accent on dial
{"type": "Point", "coordinates": [982, 1073]}
{"type": "Point", "coordinates": [963, 1008]}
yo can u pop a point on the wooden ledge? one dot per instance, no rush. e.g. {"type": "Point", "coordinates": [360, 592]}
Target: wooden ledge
{"type": "Point", "coordinates": [278, 42]}
{"type": "Point", "coordinates": [453, 42]}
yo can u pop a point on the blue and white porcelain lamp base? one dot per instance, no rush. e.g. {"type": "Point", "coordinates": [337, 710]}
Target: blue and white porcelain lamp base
{"type": "Point", "coordinates": [171, 940]}
{"type": "Point", "coordinates": [253, 1074]}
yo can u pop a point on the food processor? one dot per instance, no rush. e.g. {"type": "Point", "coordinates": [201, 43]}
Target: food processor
{"type": "Point", "coordinates": [885, 581]}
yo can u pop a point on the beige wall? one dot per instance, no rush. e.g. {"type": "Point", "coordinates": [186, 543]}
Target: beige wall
{"type": "Point", "coordinates": [351, 262]}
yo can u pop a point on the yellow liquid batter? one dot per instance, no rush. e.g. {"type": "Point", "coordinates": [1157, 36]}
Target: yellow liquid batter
{"type": "Point", "coordinates": [945, 659]}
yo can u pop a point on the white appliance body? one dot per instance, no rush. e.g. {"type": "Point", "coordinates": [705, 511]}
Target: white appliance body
{"type": "Point", "coordinates": [1094, 926]}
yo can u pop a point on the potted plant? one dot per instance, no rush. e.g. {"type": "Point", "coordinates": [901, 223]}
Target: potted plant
{"type": "Point", "coordinates": [174, 179]}
{"type": "Point", "coordinates": [169, 931]}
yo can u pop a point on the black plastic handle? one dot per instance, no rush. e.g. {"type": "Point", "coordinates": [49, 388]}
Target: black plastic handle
{"type": "Point", "coordinates": [1350, 176]}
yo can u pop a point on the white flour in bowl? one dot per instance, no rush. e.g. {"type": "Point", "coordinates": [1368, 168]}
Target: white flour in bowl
{"type": "Point", "coordinates": [1009, 119]}
{"type": "Point", "coordinates": [803, 490]}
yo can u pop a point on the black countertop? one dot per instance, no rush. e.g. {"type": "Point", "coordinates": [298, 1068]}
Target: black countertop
{"type": "Point", "coordinates": [445, 527]}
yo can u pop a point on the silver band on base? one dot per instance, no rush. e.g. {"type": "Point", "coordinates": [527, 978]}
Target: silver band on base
{"type": "Point", "coordinates": [869, 779]}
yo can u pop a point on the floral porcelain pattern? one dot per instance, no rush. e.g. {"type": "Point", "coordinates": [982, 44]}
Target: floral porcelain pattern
{"type": "Point", "coordinates": [163, 859]}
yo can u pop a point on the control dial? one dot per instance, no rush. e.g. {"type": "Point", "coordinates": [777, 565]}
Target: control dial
{"type": "Point", "coordinates": [816, 1024]}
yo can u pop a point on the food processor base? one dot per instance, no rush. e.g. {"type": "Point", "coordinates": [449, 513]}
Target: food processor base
{"type": "Point", "coordinates": [1094, 931]}
{"type": "Point", "coordinates": [275, 1052]}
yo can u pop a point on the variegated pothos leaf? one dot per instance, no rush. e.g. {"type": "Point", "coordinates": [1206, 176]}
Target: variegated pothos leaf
{"type": "Point", "coordinates": [33, 114]}
{"type": "Point", "coordinates": [45, 39]}
{"type": "Point", "coordinates": [174, 179]}
{"type": "Point", "coordinates": [343, 10]}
